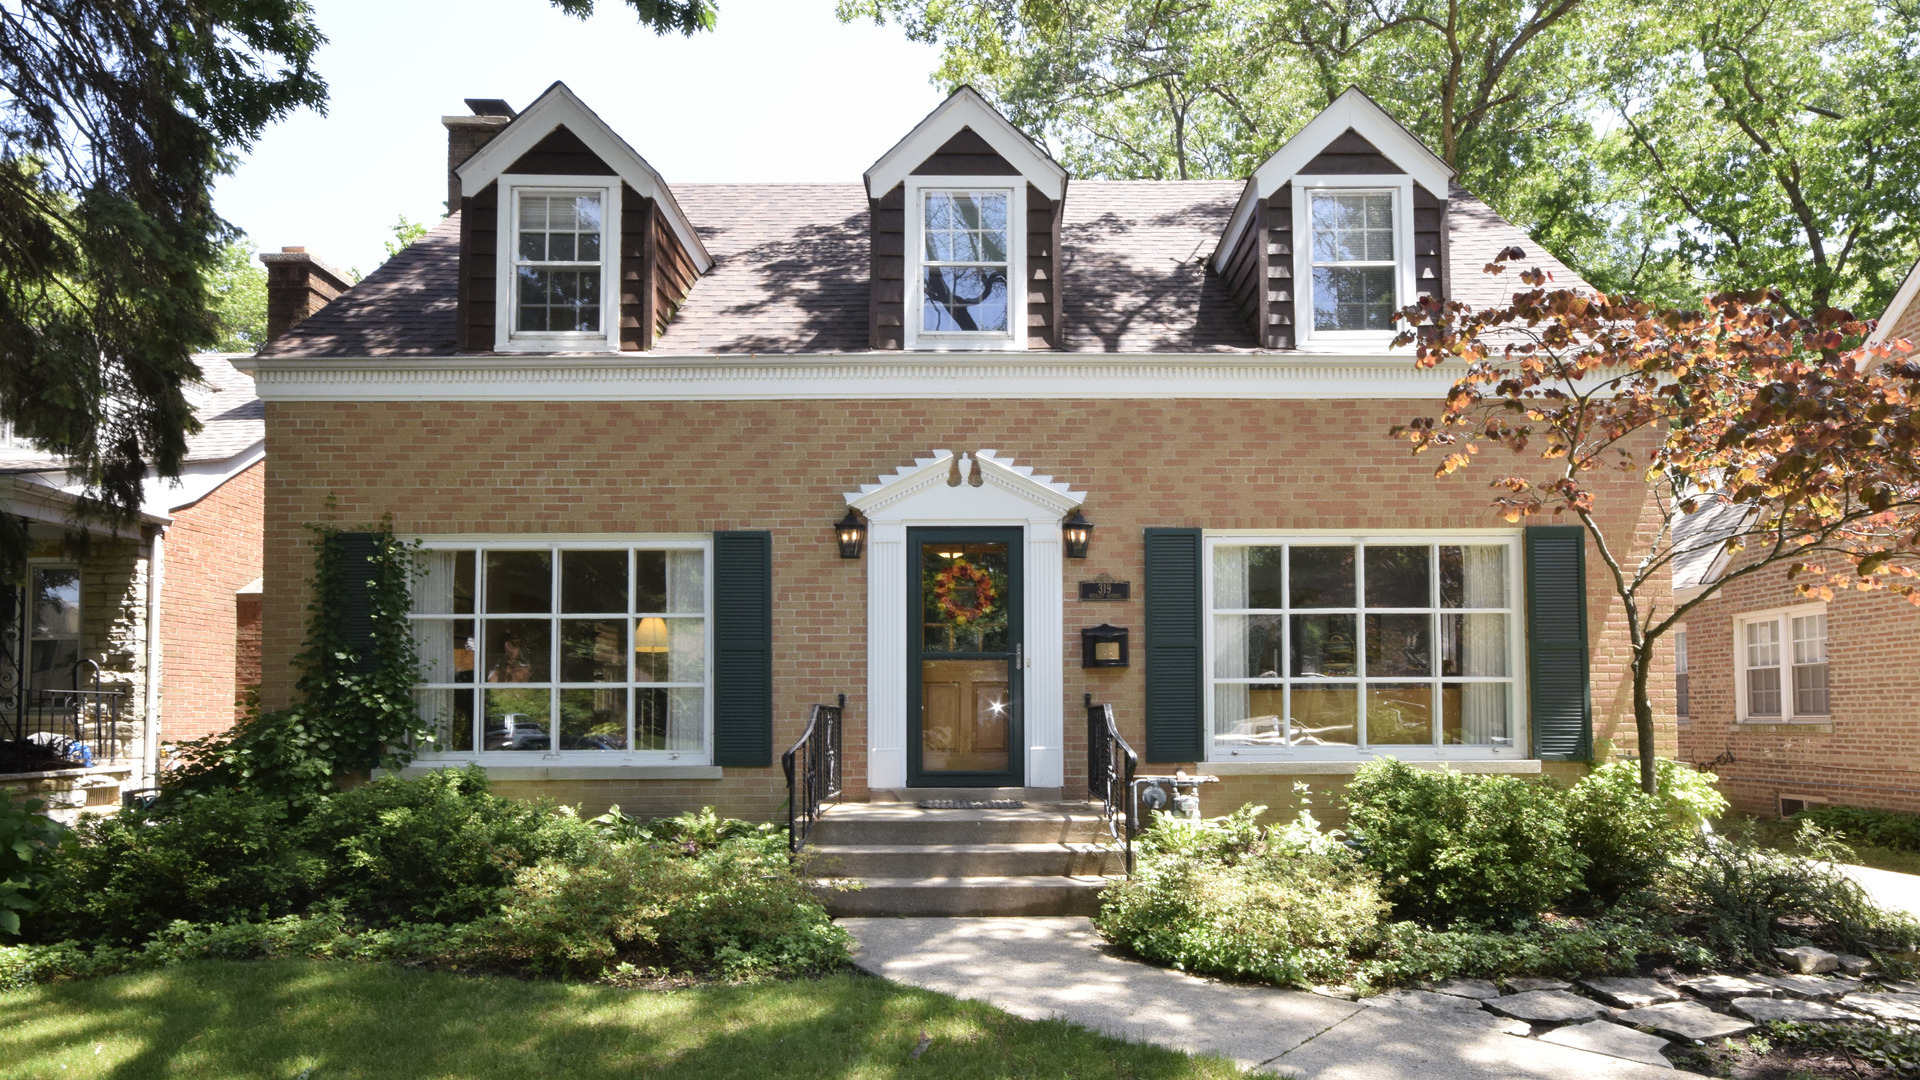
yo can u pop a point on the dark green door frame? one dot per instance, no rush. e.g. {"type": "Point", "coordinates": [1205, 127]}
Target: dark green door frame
{"type": "Point", "coordinates": [1014, 775]}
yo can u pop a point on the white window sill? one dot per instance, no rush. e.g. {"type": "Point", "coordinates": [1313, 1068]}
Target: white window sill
{"type": "Point", "coordinates": [582, 771]}
{"type": "Point", "coordinates": [1349, 766]}
{"type": "Point", "coordinates": [1785, 724]}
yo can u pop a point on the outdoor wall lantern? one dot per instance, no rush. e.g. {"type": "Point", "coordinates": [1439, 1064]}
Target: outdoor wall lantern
{"type": "Point", "coordinates": [853, 535]}
{"type": "Point", "coordinates": [1079, 533]}
{"type": "Point", "coordinates": [1103, 646]}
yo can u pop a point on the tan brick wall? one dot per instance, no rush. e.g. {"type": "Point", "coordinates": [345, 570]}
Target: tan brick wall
{"type": "Point", "coordinates": [624, 467]}
{"type": "Point", "coordinates": [1868, 756]}
{"type": "Point", "coordinates": [213, 548]}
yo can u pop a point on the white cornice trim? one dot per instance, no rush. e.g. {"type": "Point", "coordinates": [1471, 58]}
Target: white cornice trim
{"type": "Point", "coordinates": [561, 106]}
{"type": "Point", "coordinates": [845, 376]}
{"type": "Point", "coordinates": [1901, 300]}
{"type": "Point", "coordinates": [965, 108]}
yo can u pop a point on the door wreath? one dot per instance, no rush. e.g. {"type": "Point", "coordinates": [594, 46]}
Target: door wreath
{"type": "Point", "coordinates": [950, 588]}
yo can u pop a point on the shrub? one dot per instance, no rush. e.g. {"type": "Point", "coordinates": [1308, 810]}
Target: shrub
{"type": "Point", "coordinates": [1629, 838]}
{"type": "Point", "coordinates": [26, 840]}
{"type": "Point", "coordinates": [1451, 845]}
{"type": "Point", "coordinates": [1550, 946]}
{"type": "Point", "coordinates": [1226, 897]}
{"type": "Point", "coordinates": [1862, 825]}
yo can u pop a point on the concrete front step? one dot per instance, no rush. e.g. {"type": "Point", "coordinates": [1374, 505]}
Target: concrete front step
{"type": "Point", "coordinates": [905, 823]}
{"type": "Point", "coordinates": [1032, 796]}
{"type": "Point", "coordinates": [966, 896]}
{"type": "Point", "coordinates": [963, 860]}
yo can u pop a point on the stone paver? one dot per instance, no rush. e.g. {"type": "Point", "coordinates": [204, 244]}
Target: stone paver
{"type": "Point", "coordinates": [1767, 1010]}
{"type": "Point", "coordinates": [1685, 1020]}
{"type": "Point", "coordinates": [1528, 985]}
{"type": "Point", "coordinates": [1549, 1007]}
{"type": "Point", "coordinates": [1478, 989]}
{"type": "Point", "coordinates": [1060, 968]}
{"type": "Point", "coordinates": [1726, 987]}
{"type": "Point", "coordinates": [1603, 1037]}
{"type": "Point", "coordinates": [1854, 965]}
{"type": "Point", "coordinates": [1886, 1006]}
{"type": "Point", "coordinates": [1421, 1001]}
{"type": "Point", "coordinates": [1810, 987]}
{"type": "Point", "coordinates": [1808, 960]}
{"type": "Point", "coordinates": [1630, 993]}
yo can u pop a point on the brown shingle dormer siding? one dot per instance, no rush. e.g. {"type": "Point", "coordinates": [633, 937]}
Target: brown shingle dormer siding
{"type": "Point", "coordinates": [965, 154]}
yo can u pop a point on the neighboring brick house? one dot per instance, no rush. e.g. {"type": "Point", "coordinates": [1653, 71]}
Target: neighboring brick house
{"type": "Point", "coordinates": [1792, 700]}
{"type": "Point", "coordinates": [199, 537]}
{"type": "Point", "coordinates": [624, 420]}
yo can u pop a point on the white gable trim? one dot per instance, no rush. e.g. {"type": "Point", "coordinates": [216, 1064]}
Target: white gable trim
{"type": "Point", "coordinates": [1901, 301]}
{"type": "Point", "coordinates": [1009, 495]}
{"type": "Point", "coordinates": [966, 108]}
{"type": "Point", "coordinates": [1352, 109]}
{"type": "Point", "coordinates": [559, 106]}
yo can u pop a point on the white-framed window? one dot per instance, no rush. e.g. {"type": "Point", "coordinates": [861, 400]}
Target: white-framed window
{"type": "Point", "coordinates": [559, 282]}
{"type": "Point", "coordinates": [1328, 646]}
{"type": "Point", "coordinates": [1353, 257]}
{"type": "Point", "coordinates": [53, 625]}
{"type": "Point", "coordinates": [1781, 664]}
{"type": "Point", "coordinates": [1682, 686]}
{"type": "Point", "coordinates": [966, 246]}
{"type": "Point", "coordinates": [578, 649]}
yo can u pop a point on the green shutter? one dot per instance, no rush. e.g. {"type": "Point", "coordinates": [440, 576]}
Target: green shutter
{"type": "Point", "coordinates": [1557, 664]}
{"type": "Point", "coordinates": [1175, 680]}
{"type": "Point", "coordinates": [743, 648]}
{"type": "Point", "coordinates": [353, 556]}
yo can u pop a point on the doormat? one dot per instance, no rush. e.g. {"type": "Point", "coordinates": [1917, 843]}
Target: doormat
{"type": "Point", "coordinates": [971, 804]}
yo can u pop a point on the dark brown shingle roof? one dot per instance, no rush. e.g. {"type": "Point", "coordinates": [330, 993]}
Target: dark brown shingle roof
{"type": "Point", "coordinates": [790, 274]}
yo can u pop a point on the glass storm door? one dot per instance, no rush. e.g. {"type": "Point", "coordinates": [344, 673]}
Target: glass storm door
{"type": "Point", "coordinates": [963, 679]}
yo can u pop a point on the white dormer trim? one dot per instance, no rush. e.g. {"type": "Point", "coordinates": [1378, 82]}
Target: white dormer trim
{"type": "Point", "coordinates": [560, 106]}
{"type": "Point", "coordinates": [963, 109]}
{"type": "Point", "coordinates": [1307, 337]}
{"type": "Point", "coordinates": [1352, 109]}
{"type": "Point", "coordinates": [917, 337]}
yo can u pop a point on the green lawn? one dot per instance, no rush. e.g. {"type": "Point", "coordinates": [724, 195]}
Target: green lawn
{"type": "Point", "coordinates": [1778, 833]}
{"type": "Point", "coordinates": [303, 1020]}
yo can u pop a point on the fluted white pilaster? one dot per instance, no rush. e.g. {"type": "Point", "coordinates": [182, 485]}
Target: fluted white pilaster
{"type": "Point", "coordinates": [1045, 674]}
{"type": "Point", "coordinates": [887, 655]}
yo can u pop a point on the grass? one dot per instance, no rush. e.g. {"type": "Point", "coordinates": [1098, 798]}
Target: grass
{"type": "Point", "coordinates": [306, 1020]}
{"type": "Point", "coordinates": [1778, 833]}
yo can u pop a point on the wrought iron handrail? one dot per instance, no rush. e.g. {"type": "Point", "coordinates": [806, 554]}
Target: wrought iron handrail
{"type": "Point", "coordinates": [81, 726]}
{"type": "Point", "coordinates": [813, 771]}
{"type": "Point", "coordinates": [1110, 767]}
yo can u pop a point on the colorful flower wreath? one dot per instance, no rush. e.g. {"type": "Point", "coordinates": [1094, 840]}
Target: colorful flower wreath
{"type": "Point", "coordinates": [960, 576]}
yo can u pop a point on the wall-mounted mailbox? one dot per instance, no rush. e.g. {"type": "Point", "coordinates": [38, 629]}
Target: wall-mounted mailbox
{"type": "Point", "coordinates": [1103, 646]}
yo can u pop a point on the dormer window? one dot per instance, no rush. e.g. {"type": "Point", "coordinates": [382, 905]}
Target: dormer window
{"type": "Point", "coordinates": [1354, 266]}
{"type": "Point", "coordinates": [557, 263]}
{"type": "Point", "coordinates": [966, 290]}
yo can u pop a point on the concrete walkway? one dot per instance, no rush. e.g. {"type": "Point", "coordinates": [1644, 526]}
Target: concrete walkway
{"type": "Point", "coordinates": [1895, 891]}
{"type": "Point", "coordinates": [1042, 968]}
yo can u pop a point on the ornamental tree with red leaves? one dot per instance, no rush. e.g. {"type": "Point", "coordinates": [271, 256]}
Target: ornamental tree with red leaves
{"type": "Point", "coordinates": [1804, 447]}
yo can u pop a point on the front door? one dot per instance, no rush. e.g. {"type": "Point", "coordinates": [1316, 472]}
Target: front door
{"type": "Point", "coordinates": [964, 663]}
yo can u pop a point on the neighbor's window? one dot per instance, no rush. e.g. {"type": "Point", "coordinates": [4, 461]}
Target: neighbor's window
{"type": "Point", "coordinates": [557, 262]}
{"type": "Point", "coordinates": [1783, 664]}
{"type": "Point", "coordinates": [966, 260]}
{"type": "Point", "coordinates": [1374, 644]}
{"type": "Point", "coordinates": [53, 633]}
{"type": "Point", "coordinates": [560, 648]}
{"type": "Point", "coordinates": [1681, 704]}
{"type": "Point", "coordinates": [1354, 263]}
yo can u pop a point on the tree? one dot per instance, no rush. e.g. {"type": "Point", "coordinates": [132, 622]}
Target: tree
{"type": "Point", "coordinates": [1741, 405]}
{"type": "Point", "coordinates": [405, 232]}
{"type": "Point", "coordinates": [685, 17]}
{"type": "Point", "coordinates": [238, 292]}
{"type": "Point", "coordinates": [117, 119]}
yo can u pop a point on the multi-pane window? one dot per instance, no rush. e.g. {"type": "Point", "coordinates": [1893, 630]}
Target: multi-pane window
{"type": "Point", "coordinates": [1354, 261]}
{"type": "Point", "coordinates": [53, 630]}
{"type": "Point", "coordinates": [1374, 644]}
{"type": "Point", "coordinates": [557, 262]}
{"type": "Point", "coordinates": [965, 262]}
{"type": "Point", "coordinates": [553, 648]}
{"type": "Point", "coordinates": [1783, 665]}
{"type": "Point", "coordinates": [1681, 704]}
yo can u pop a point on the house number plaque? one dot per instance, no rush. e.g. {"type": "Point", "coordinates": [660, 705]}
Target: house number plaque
{"type": "Point", "coordinates": [1105, 587]}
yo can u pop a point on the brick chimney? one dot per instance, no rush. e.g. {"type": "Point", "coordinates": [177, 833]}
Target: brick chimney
{"type": "Point", "coordinates": [467, 134]}
{"type": "Point", "coordinates": [297, 286]}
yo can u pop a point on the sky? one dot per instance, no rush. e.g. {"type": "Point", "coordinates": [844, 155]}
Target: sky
{"type": "Point", "coordinates": [780, 90]}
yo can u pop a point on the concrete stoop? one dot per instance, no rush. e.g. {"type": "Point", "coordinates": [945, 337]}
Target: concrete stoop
{"type": "Point", "coordinates": [1048, 859]}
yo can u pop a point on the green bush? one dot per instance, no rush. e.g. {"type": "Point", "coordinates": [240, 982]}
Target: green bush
{"type": "Point", "coordinates": [1454, 846]}
{"type": "Point", "coordinates": [27, 838]}
{"type": "Point", "coordinates": [1549, 946]}
{"type": "Point", "coordinates": [1865, 826]}
{"type": "Point", "coordinates": [1628, 838]}
{"type": "Point", "coordinates": [1226, 897]}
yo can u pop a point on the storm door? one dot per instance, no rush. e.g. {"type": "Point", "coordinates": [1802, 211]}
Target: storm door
{"type": "Point", "coordinates": [964, 664]}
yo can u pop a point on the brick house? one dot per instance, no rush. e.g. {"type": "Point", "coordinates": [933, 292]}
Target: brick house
{"type": "Point", "coordinates": [1796, 701]}
{"type": "Point", "coordinates": [137, 640]}
{"type": "Point", "coordinates": [625, 421]}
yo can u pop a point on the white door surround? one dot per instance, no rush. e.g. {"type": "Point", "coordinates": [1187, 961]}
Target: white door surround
{"type": "Point", "coordinates": [965, 490]}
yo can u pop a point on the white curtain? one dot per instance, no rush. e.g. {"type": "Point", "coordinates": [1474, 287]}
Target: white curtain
{"type": "Point", "coordinates": [1483, 647]}
{"type": "Point", "coordinates": [686, 650]}
{"type": "Point", "coordinates": [434, 639]}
